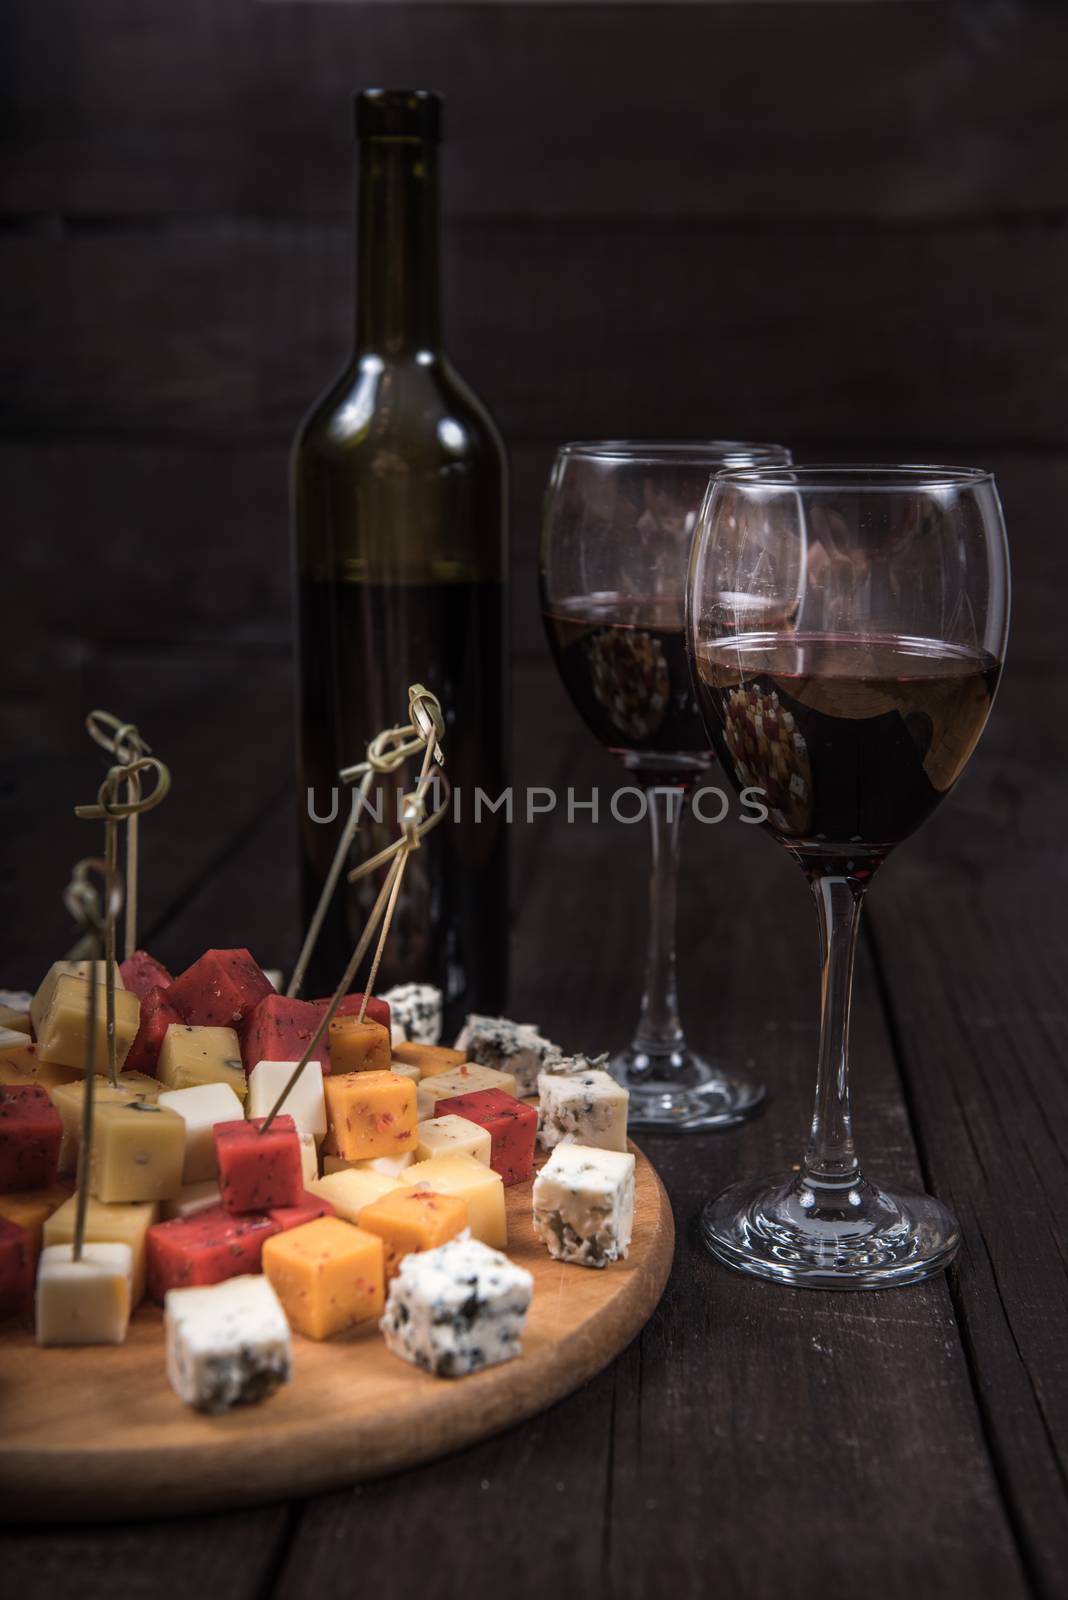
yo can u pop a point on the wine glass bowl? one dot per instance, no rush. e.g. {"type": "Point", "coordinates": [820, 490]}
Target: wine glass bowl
{"type": "Point", "coordinates": [847, 628]}
{"type": "Point", "coordinates": [618, 524]}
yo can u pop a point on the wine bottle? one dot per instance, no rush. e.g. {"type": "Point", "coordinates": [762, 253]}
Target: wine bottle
{"type": "Point", "coordinates": [399, 488]}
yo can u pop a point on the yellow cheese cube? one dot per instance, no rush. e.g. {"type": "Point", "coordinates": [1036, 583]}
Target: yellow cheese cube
{"type": "Point", "coordinates": [63, 1032]}
{"type": "Point", "coordinates": [351, 1190]}
{"type": "Point", "coordinates": [467, 1079]}
{"type": "Point", "coordinates": [108, 1224]}
{"type": "Point", "coordinates": [357, 1046]}
{"type": "Point", "coordinates": [328, 1275]}
{"type": "Point", "coordinates": [429, 1058]}
{"type": "Point", "coordinates": [451, 1136]}
{"type": "Point", "coordinates": [69, 1101]}
{"type": "Point", "coordinates": [66, 969]}
{"type": "Point", "coordinates": [413, 1219]}
{"type": "Point", "coordinates": [480, 1188]}
{"type": "Point", "coordinates": [370, 1114]}
{"type": "Point", "coordinates": [86, 1301]}
{"type": "Point", "coordinates": [31, 1208]}
{"type": "Point", "coordinates": [192, 1055]}
{"type": "Point", "coordinates": [15, 1021]}
{"type": "Point", "coordinates": [138, 1152]}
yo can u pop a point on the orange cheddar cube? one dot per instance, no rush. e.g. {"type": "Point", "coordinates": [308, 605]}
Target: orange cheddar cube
{"type": "Point", "coordinates": [370, 1114]}
{"type": "Point", "coordinates": [413, 1219]}
{"type": "Point", "coordinates": [357, 1046]}
{"type": "Point", "coordinates": [328, 1274]}
{"type": "Point", "coordinates": [429, 1058]}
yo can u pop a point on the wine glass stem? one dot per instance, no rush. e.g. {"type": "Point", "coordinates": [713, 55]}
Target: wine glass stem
{"type": "Point", "coordinates": [659, 1029]}
{"type": "Point", "coordinates": [830, 1160]}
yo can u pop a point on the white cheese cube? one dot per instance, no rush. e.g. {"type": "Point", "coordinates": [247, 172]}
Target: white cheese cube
{"type": "Point", "coordinates": [457, 1309]}
{"type": "Point", "coordinates": [587, 1108]}
{"type": "Point", "coordinates": [309, 1157]}
{"type": "Point", "coordinates": [305, 1102]}
{"type": "Point", "coordinates": [416, 1007]}
{"type": "Point", "coordinates": [514, 1047]}
{"type": "Point", "coordinates": [85, 1301]}
{"type": "Point", "coordinates": [584, 1204]}
{"type": "Point", "coordinates": [201, 1107]}
{"type": "Point", "coordinates": [193, 1197]}
{"type": "Point", "coordinates": [451, 1135]}
{"type": "Point", "coordinates": [227, 1345]}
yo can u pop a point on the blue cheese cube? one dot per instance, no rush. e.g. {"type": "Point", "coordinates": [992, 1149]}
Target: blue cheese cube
{"type": "Point", "coordinates": [457, 1309]}
{"type": "Point", "coordinates": [415, 1008]}
{"type": "Point", "coordinates": [514, 1047]}
{"type": "Point", "coordinates": [587, 1108]}
{"type": "Point", "coordinates": [584, 1204]}
{"type": "Point", "coordinates": [227, 1345]}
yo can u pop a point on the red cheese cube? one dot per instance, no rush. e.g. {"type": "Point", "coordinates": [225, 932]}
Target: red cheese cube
{"type": "Point", "coordinates": [205, 1248]}
{"type": "Point", "coordinates": [30, 1131]}
{"type": "Point", "coordinates": [141, 973]}
{"type": "Point", "coordinates": [309, 1209]}
{"type": "Point", "coordinates": [512, 1126]}
{"type": "Point", "coordinates": [377, 1010]}
{"type": "Point", "coordinates": [220, 989]}
{"type": "Point", "coordinates": [157, 1014]}
{"type": "Point", "coordinates": [279, 1030]}
{"type": "Point", "coordinates": [16, 1270]}
{"type": "Point", "coordinates": [259, 1171]}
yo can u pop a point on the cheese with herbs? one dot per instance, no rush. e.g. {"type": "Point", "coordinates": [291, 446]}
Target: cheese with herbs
{"type": "Point", "coordinates": [584, 1204]}
{"type": "Point", "coordinates": [227, 1345]}
{"type": "Point", "coordinates": [457, 1308]}
{"type": "Point", "coordinates": [513, 1047]}
{"type": "Point", "coordinates": [587, 1108]}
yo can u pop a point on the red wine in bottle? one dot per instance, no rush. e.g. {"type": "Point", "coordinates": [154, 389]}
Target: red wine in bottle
{"type": "Point", "coordinates": [399, 504]}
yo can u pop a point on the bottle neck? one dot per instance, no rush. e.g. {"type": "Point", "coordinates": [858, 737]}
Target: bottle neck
{"type": "Point", "coordinates": [398, 271]}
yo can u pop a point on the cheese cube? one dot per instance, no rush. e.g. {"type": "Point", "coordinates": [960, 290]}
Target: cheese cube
{"type": "Point", "coordinates": [138, 1152]}
{"type": "Point", "coordinates": [18, 1050]}
{"type": "Point", "coordinates": [141, 973]}
{"type": "Point", "coordinates": [66, 969]}
{"type": "Point", "coordinates": [370, 1114]}
{"type": "Point", "coordinates": [206, 1248]}
{"type": "Point", "coordinates": [200, 1108]}
{"type": "Point", "coordinates": [31, 1208]}
{"type": "Point", "coordinates": [452, 1135]}
{"type": "Point", "coordinates": [417, 1008]}
{"type": "Point", "coordinates": [584, 1204]}
{"type": "Point", "coordinates": [514, 1047]}
{"type": "Point", "coordinates": [457, 1309]}
{"type": "Point", "coordinates": [259, 1168]}
{"type": "Point", "coordinates": [30, 1133]}
{"type": "Point", "coordinates": [479, 1187]}
{"type": "Point", "coordinates": [413, 1219]}
{"type": "Point", "coordinates": [157, 1015]}
{"type": "Point", "coordinates": [357, 1046]}
{"type": "Point", "coordinates": [587, 1108]}
{"type": "Point", "coordinates": [219, 990]}
{"type": "Point", "coordinates": [328, 1276]}
{"type": "Point", "coordinates": [280, 1029]}
{"type": "Point", "coordinates": [15, 1019]}
{"type": "Point", "coordinates": [193, 1198]}
{"type": "Point", "coordinates": [469, 1078]}
{"type": "Point", "coordinates": [430, 1059]}
{"type": "Point", "coordinates": [309, 1157]}
{"type": "Point", "coordinates": [193, 1055]}
{"type": "Point", "coordinates": [351, 1190]}
{"type": "Point", "coordinates": [63, 1032]}
{"type": "Point", "coordinates": [17, 1258]}
{"type": "Point", "coordinates": [227, 1345]}
{"type": "Point", "coordinates": [108, 1224]}
{"type": "Point", "coordinates": [512, 1127]}
{"type": "Point", "coordinates": [85, 1301]}
{"type": "Point", "coordinates": [304, 1102]}
{"type": "Point", "coordinates": [144, 1087]}
{"type": "Point", "coordinates": [69, 1101]}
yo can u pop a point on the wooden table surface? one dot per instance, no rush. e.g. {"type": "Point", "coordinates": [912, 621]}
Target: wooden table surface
{"type": "Point", "coordinates": [754, 1440]}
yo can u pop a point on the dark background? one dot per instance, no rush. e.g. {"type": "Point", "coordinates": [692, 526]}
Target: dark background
{"type": "Point", "coordinates": [841, 226]}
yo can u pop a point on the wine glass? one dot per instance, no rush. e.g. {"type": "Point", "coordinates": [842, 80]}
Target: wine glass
{"type": "Point", "coordinates": [619, 518]}
{"type": "Point", "coordinates": [847, 629]}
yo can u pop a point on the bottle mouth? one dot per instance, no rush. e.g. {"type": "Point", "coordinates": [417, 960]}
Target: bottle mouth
{"type": "Point", "coordinates": [399, 114]}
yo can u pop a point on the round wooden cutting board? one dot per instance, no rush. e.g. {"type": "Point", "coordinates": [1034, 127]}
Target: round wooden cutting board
{"type": "Point", "coordinates": [97, 1432]}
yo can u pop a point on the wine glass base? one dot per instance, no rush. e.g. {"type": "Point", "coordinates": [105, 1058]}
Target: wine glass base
{"type": "Point", "coordinates": [858, 1238]}
{"type": "Point", "coordinates": [682, 1092]}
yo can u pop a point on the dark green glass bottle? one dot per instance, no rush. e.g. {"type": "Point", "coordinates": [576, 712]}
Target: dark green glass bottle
{"type": "Point", "coordinates": [399, 509]}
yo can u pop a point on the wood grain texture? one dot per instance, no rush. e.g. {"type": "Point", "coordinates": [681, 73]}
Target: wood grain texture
{"type": "Point", "coordinates": [904, 108]}
{"type": "Point", "coordinates": [99, 1431]}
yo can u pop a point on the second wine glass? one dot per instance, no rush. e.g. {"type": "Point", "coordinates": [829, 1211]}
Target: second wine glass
{"type": "Point", "coordinates": [619, 518]}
